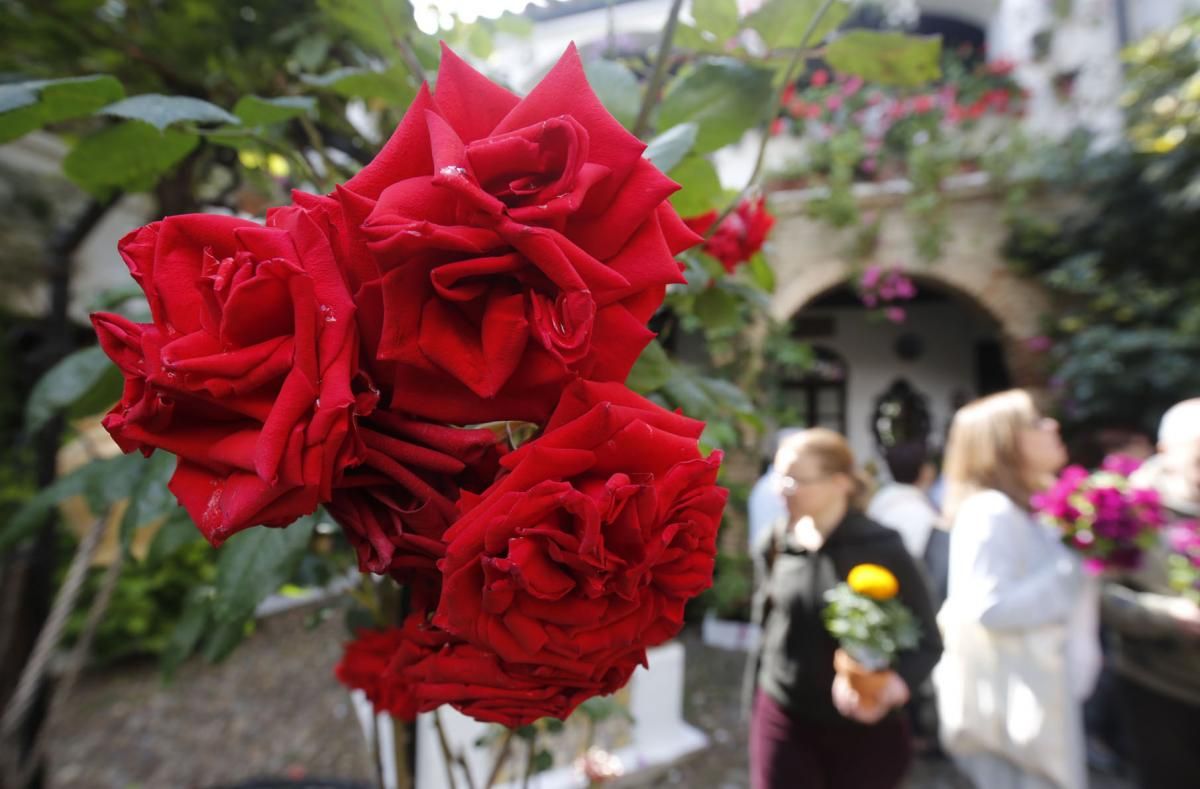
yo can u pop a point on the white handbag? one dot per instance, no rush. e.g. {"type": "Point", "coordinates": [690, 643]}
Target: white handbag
{"type": "Point", "coordinates": [1006, 693]}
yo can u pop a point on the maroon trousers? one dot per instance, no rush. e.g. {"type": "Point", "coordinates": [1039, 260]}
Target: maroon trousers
{"type": "Point", "coordinates": [787, 754]}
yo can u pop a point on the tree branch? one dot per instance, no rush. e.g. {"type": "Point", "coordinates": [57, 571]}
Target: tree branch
{"type": "Point", "coordinates": [650, 99]}
{"type": "Point", "coordinates": [789, 76]}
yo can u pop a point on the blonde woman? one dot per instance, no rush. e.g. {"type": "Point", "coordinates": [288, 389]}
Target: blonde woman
{"type": "Point", "coordinates": [1009, 705]}
{"type": "Point", "coordinates": [807, 730]}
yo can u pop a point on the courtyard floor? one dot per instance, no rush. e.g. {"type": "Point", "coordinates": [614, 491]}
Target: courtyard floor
{"type": "Point", "coordinates": [274, 709]}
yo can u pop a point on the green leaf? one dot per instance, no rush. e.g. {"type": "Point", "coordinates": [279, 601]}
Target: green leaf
{"type": "Point", "coordinates": [724, 96]}
{"type": "Point", "coordinates": [25, 106]}
{"type": "Point", "coordinates": [111, 299]}
{"type": "Point", "coordinates": [177, 532]}
{"type": "Point", "coordinates": [372, 22]}
{"type": "Point", "coordinates": [257, 111]}
{"type": "Point", "coordinates": [616, 87]}
{"type": "Point", "coordinates": [150, 499]}
{"type": "Point", "coordinates": [254, 563]}
{"type": "Point", "coordinates": [701, 188]}
{"type": "Point", "coordinates": [162, 111]}
{"type": "Point", "coordinates": [224, 636]}
{"type": "Point", "coordinates": [783, 23]}
{"type": "Point", "coordinates": [106, 391]}
{"type": "Point", "coordinates": [63, 384]}
{"type": "Point", "coordinates": [129, 156]}
{"type": "Point", "coordinates": [102, 481]}
{"type": "Point", "coordinates": [479, 41]}
{"type": "Point", "coordinates": [515, 25]}
{"type": "Point", "coordinates": [760, 272]}
{"type": "Point", "coordinates": [684, 391]}
{"type": "Point", "coordinates": [352, 82]}
{"type": "Point", "coordinates": [718, 309]}
{"type": "Point", "coordinates": [718, 434]}
{"type": "Point", "coordinates": [668, 149]}
{"type": "Point", "coordinates": [887, 58]}
{"type": "Point", "coordinates": [651, 370]}
{"type": "Point", "coordinates": [311, 51]}
{"type": "Point", "coordinates": [689, 38]}
{"type": "Point", "coordinates": [719, 17]}
{"type": "Point", "coordinates": [192, 624]}
{"type": "Point", "coordinates": [542, 760]}
{"type": "Point", "coordinates": [728, 394]}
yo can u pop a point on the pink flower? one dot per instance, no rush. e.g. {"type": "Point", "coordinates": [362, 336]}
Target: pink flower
{"type": "Point", "coordinates": [833, 103]}
{"type": "Point", "coordinates": [922, 104]}
{"type": "Point", "coordinates": [1121, 464]}
{"type": "Point", "coordinates": [1001, 67]}
{"type": "Point", "coordinates": [852, 86]}
{"type": "Point", "coordinates": [903, 287]}
{"type": "Point", "coordinates": [819, 79]}
{"type": "Point", "coordinates": [895, 314]}
{"type": "Point", "coordinates": [871, 275]}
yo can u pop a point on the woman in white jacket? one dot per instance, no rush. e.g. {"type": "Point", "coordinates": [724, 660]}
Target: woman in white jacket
{"type": "Point", "coordinates": [1019, 620]}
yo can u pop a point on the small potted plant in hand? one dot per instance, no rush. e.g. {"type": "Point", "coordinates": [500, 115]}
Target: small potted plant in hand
{"type": "Point", "coordinates": [871, 626]}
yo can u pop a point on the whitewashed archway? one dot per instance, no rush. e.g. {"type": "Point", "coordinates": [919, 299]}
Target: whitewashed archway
{"type": "Point", "coordinates": [810, 257]}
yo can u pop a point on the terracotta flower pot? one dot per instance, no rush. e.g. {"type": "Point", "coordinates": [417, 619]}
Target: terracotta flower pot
{"type": "Point", "coordinates": [869, 684]}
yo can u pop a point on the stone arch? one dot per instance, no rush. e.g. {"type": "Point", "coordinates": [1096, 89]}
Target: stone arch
{"type": "Point", "coordinates": [809, 259]}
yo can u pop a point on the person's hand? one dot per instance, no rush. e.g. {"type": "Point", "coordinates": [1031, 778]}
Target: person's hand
{"type": "Point", "coordinates": [851, 704]}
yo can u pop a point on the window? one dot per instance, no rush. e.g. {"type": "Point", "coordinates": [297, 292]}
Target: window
{"type": "Point", "coordinates": [818, 396]}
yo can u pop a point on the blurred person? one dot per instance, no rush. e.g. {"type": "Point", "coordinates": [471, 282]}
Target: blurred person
{"type": "Point", "coordinates": [1019, 657]}
{"type": "Point", "coordinates": [809, 730]}
{"type": "Point", "coordinates": [903, 503]}
{"type": "Point", "coordinates": [1156, 632]}
{"type": "Point", "coordinates": [766, 505]}
{"type": "Point", "coordinates": [1092, 444]}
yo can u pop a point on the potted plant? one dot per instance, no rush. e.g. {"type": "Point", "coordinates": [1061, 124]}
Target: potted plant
{"type": "Point", "coordinates": [871, 627]}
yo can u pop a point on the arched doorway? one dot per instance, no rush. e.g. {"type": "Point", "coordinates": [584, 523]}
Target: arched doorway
{"type": "Point", "coordinates": [947, 351]}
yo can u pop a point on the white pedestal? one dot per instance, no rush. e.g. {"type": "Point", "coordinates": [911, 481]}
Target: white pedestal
{"type": "Point", "coordinates": [730, 634]}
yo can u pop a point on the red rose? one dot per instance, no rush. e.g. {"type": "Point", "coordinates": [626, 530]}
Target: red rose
{"type": "Point", "coordinates": [477, 683]}
{"type": "Point", "coordinates": [739, 236]}
{"type": "Point", "coordinates": [418, 667]}
{"type": "Point", "coordinates": [585, 553]}
{"type": "Point", "coordinates": [379, 662]}
{"type": "Point", "coordinates": [395, 507]}
{"type": "Point", "coordinates": [245, 372]}
{"type": "Point", "coordinates": [522, 243]}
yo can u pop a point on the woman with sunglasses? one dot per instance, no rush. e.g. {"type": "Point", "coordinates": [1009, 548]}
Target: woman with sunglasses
{"type": "Point", "coordinates": [809, 730]}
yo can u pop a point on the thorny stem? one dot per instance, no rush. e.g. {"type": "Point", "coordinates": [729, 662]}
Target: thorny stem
{"type": "Point", "coordinates": [529, 760]}
{"type": "Point", "coordinates": [650, 99]}
{"type": "Point", "coordinates": [501, 757]}
{"type": "Point", "coordinates": [801, 53]}
{"type": "Point", "coordinates": [332, 171]}
{"type": "Point", "coordinates": [447, 754]}
{"type": "Point", "coordinates": [403, 45]}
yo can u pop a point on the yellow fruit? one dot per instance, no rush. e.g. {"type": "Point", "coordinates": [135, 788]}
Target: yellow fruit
{"type": "Point", "coordinates": [874, 581]}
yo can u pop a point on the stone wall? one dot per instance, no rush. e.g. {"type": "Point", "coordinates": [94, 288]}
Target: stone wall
{"type": "Point", "coordinates": [810, 257]}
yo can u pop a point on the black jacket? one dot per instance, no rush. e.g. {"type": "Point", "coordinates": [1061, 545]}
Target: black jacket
{"type": "Point", "coordinates": [795, 666]}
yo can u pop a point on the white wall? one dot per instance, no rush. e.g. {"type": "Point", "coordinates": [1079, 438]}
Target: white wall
{"type": "Point", "coordinates": [947, 365]}
{"type": "Point", "coordinates": [520, 61]}
{"type": "Point", "coordinates": [1148, 16]}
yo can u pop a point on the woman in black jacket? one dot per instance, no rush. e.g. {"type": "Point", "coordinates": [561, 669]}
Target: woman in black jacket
{"type": "Point", "coordinates": [810, 730]}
